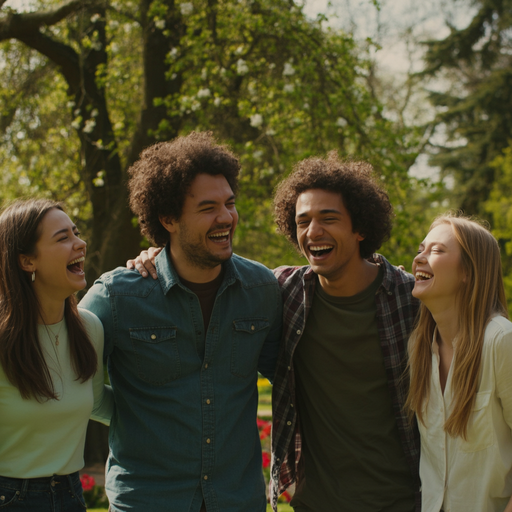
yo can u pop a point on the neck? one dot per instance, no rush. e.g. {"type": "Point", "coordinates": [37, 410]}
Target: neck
{"type": "Point", "coordinates": [447, 321]}
{"type": "Point", "coordinates": [51, 312]}
{"type": "Point", "coordinates": [351, 281]}
{"type": "Point", "coordinates": [194, 274]}
{"type": "Point", "coordinates": [51, 304]}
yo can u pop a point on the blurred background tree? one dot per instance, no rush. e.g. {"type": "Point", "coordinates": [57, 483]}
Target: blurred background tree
{"type": "Point", "coordinates": [473, 66]}
{"type": "Point", "coordinates": [475, 106]}
{"type": "Point", "coordinates": [86, 85]}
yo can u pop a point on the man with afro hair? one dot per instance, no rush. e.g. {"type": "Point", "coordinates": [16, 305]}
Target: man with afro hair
{"type": "Point", "coordinates": [339, 429]}
{"type": "Point", "coordinates": [184, 350]}
{"type": "Point", "coordinates": [340, 432]}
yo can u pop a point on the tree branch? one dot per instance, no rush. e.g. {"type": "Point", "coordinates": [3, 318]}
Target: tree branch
{"type": "Point", "coordinates": [15, 25]}
{"type": "Point", "coordinates": [26, 88]}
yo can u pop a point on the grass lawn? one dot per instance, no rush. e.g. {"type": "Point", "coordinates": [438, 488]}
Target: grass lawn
{"type": "Point", "coordinates": [280, 508]}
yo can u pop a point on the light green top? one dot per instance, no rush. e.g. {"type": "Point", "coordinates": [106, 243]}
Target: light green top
{"type": "Point", "coordinates": [42, 439]}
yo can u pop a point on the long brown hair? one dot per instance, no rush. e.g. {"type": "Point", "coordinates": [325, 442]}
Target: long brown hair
{"type": "Point", "coordinates": [21, 355]}
{"type": "Point", "coordinates": [481, 296]}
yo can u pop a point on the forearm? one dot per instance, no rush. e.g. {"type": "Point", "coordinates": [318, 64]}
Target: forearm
{"type": "Point", "coordinates": [104, 408]}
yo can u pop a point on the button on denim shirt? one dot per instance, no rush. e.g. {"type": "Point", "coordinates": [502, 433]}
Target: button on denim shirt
{"type": "Point", "coordinates": [183, 428]}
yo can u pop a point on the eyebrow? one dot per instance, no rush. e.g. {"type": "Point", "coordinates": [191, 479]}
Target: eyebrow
{"type": "Point", "coordinates": [64, 230]}
{"type": "Point", "coordinates": [211, 201]}
{"type": "Point", "coordinates": [322, 212]}
{"type": "Point", "coordinates": [422, 244]}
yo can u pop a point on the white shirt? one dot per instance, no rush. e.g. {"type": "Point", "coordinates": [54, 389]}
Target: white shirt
{"type": "Point", "coordinates": [473, 475]}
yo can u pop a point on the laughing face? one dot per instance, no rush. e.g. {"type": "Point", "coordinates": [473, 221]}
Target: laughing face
{"type": "Point", "coordinates": [59, 258]}
{"type": "Point", "coordinates": [437, 267]}
{"type": "Point", "coordinates": [325, 235]}
{"type": "Point", "coordinates": [203, 236]}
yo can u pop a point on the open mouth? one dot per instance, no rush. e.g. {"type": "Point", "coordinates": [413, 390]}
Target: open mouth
{"type": "Point", "coordinates": [77, 266]}
{"type": "Point", "coordinates": [320, 250]}
{"type": "Point", "coordinates": [422, 276]}
{"type": "Point", "coordinates": [221, 236]}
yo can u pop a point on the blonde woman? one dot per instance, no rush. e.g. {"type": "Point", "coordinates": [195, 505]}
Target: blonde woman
{"type": "Point", "coordinates": [461, 370]}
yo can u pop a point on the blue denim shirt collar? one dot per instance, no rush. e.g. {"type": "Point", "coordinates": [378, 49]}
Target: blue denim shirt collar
{"type": "Point", "coordinates": [169, 277]}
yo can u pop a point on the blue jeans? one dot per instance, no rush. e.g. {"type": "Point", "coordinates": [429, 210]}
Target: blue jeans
{"type": "Point", "coordinates": [57, 493]}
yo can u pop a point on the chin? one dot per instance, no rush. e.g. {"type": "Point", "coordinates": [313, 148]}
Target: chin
{"type": "Point", "coordinates": [415, 293]}
{"type": "Point", "coordinates": [79, 286]}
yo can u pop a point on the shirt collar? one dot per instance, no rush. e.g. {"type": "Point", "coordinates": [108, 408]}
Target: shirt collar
{"type": "Point", "coordinates": [389, 278]}
{"type": "Point", "coordinates": [169, 277]}
{"type": "Point", "coordinates": [435, 346]}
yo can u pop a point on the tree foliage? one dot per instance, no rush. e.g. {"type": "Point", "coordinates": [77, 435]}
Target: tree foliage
{"type": "Point", "coordinates": [499, 208]}
{"type": "Point", "coordinates": [476, 108]}
{"type": "Point", "coordinates": [86, 85]}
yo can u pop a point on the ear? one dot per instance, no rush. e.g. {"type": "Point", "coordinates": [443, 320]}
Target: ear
{"type": "Point", "coordinates": [168, 223]}
{"type": "Point", "coordinates": [360, 237]}
{"type": "Point", "coordinates": [26, 262]}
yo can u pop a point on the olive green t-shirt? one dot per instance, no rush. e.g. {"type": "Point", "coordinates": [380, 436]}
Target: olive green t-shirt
{"type": "Point", "coordinates": [352, 459]}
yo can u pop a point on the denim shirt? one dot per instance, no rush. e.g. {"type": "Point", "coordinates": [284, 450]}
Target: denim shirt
{"type": "Point", "coordinates": [185, 429]}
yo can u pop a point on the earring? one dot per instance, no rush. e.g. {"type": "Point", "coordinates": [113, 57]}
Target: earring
{"type": "Point", "coordinates": [33, 276]}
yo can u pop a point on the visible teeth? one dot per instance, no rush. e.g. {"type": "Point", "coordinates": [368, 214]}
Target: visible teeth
{"type": "Point", "coordinates": [422, 275]}
{"type": "Point", "coordinates": [224, 233]}
{"type": "Point", "coordinates": [78, 260]}
{"type": "Point", "coordinates": [320, 247]}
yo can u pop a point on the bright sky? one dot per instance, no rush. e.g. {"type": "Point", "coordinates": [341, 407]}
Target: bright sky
{"type": "Point", "coordinates": [424, 18]}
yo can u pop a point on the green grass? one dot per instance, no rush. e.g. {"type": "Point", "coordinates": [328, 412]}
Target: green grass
{"type": "Point", "coordinates": [281, 508]}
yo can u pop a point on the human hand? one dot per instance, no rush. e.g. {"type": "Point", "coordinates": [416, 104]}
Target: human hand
{"type": "Point", "coordinates": [144, 263]}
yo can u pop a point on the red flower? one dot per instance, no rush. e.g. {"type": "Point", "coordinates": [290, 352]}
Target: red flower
{"type": "Point", "coordinates": [287, 496]}
{"type": "Point", "coordinates": [265, 432]}
{"type": "Point", "coordinates": [265, 459]}
{"type": "Point", "coordinates": [88, 482]}
{"type": "Point", "coordinates": [262, 423]}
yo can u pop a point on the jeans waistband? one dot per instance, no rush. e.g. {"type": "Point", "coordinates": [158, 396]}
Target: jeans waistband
{"type": "Point", "coordinates": [54, 482]}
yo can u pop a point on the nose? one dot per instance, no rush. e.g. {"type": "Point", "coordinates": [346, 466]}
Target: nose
{"type": "Point", "coordinates": [419, 258]}
{"type": "Point", "coordinates": [225, 216]}
{"type": "Point", "coordinates": [79, 244]}
{"type": "Point", "coordinates": [314, 229]}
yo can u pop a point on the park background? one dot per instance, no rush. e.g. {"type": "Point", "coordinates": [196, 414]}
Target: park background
{"type": "Point", "coordinates": [422, 89]}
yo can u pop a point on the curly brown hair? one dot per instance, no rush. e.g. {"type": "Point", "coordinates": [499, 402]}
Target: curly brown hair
{"type": "Point", "coordinates": [161, 178]}
{"type": "Point", "coordinates": [367, 203]}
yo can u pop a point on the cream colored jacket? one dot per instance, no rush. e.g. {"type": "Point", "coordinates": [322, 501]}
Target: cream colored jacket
{"type": "Point", "coordinates": [473, 475]}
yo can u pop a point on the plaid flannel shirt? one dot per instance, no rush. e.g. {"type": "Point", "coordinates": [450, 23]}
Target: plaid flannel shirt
{"type": "Point", "coordinates": [396, 313]}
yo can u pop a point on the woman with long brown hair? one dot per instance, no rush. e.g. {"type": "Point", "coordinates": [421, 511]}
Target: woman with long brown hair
{"type": "Point", "coordinates": [51, 374]}
{"type": "Point", "coordinates": [460, 360]}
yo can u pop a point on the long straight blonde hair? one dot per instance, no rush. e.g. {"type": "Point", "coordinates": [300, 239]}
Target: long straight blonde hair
{"type": "Point", "coordinates": [481, 296]}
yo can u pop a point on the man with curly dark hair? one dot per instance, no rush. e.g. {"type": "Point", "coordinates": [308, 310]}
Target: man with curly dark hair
{"type": "Point", "coordinates": [339, 430]}
{"type": "Point", "coordinates": [184, 350]}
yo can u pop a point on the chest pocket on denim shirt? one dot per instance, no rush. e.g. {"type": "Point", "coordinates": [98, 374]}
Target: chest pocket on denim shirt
{"type": "Point", "coordinates": [156, 352]}
{"type": "Point", "coordinates": [248, 337]}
